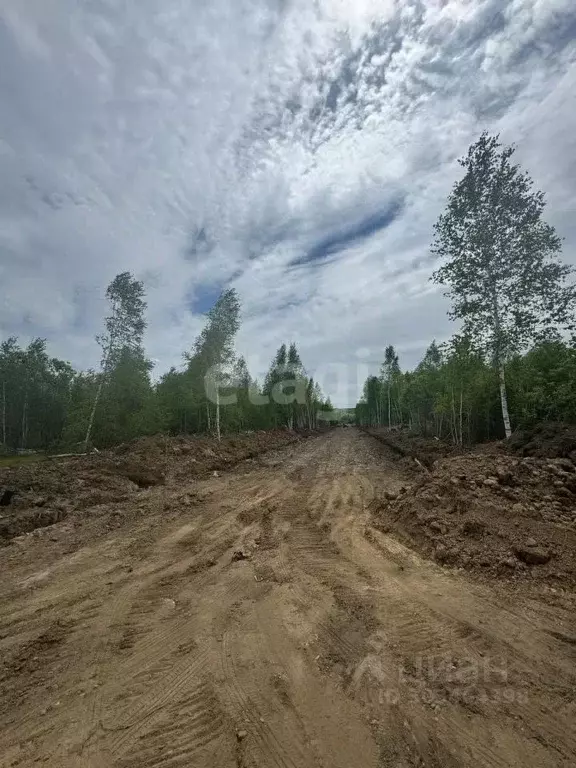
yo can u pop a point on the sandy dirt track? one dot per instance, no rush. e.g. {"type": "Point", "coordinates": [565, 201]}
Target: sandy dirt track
{"type": "Point", "coordinates": [256, 619]}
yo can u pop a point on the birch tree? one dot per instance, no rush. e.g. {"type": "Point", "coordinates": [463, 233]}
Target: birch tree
{"type": "Point", "coordinates": [214, 348]}
{"type": "Point", "coordinates": [125, 327]}
{"type": "Point", "coordinates": [499, 258]}
{"type": "Point", "coordinates": [389, 373]}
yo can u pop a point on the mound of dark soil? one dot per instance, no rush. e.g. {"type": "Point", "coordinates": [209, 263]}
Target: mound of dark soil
{"type": "Point", "coordinates": [548, 440]}
{"type": "Point", "coordinates": [410, 445]}
{"type": "Point", "coordinates": [184, 455]}
{"type": "Point", "coordinates": [498, 515]}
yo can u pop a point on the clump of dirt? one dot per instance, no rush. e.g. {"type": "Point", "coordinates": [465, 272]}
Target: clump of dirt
{"type": "Point", "coordinates": [141, 475]}
{"type": "Point", "coordinates": [33, 662]}
{"type": "Point", "coordinates": [345, 640]}
{"type": "Point", "coordinates": [29, 520]}
{"type": "Point", "coordinates": [45, 492]}
{"type": "Point", "coordinates": [494, 514]}
{"type": "Point", "coordinates": [27, 658]}
{"type": "Point", "coordinates": [548, 440]}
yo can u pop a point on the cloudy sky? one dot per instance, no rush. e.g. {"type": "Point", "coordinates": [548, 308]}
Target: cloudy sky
{"type": "Point", "coordinates": [298, 150]}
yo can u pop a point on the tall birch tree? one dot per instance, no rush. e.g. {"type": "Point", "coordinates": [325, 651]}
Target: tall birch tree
{"type": "Point", "coordinates": [214, 348]}
{"type": "Point", "coordinates": [499, 258]}
{"type": "Point", "coordinates": [124, 326]}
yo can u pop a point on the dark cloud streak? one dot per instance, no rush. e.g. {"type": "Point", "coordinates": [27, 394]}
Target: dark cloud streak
{"type": "Point", "coordinates": [352, 235]}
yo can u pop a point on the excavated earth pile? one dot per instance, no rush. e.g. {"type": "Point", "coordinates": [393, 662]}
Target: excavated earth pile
{"type": "Point", "coordinates": [42, 493]}
{"type": "Point", "coordinates": [499, 515]}
{"type": "Point", "coordinates": [410, 446]}
{"type": "Point", "coordinates": [548, 440]}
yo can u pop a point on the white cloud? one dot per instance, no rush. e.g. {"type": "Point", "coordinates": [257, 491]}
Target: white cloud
{"type": "Point", "coordinates": [26, 33]}
{"type": "Point", "coordinates": [221, 144]}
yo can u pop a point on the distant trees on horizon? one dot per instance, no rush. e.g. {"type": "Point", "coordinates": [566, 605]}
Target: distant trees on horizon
{"type": "Point", "coordinates": [46, 404]}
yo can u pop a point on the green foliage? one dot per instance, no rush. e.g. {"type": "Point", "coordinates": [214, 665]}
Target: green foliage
{"type": "Point", "coordinates": [389, 375]}
{"type": "Point", "coordinates": [123, 338]}
{"type": "Point", "coordinates": [46, 405]}
{"type": "Point", "coordinates": [513, 299]}
{"type": "Point", "coordinates": [128, 405]}
{"type": "Point", "coordinates": [34, 395]}
{"type": "Point", "coordinates": [125, 325]}
{"type": "Point", "coordinates": [542, 384]}
{"type": "Point", "coordinates": [294, 399]}
{"type": "Point", "coordinates": [214, 346]}
{"type": "Point", "coordinates": [499, 256]}
{"type": "Point", "coordinates": [453, 392]}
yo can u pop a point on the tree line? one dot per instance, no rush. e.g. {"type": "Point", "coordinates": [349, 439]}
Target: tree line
{"type": "Point", "coordinates": [454, 392]}
{"type": "Point", "coordinates": [48, 405]}
{"type": "Point", "coordinates": [513, 360]}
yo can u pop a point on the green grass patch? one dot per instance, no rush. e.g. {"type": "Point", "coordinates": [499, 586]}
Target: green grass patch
{"type": "Point", "coordinates": [16, 461]}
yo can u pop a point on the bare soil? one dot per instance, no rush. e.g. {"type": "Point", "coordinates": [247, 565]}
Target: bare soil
{"type": "Point", "coordinates": [260, 618]}
{"type": "Point", "coordinates": [549, 440]}
{"type": "Point", "coordinates": [38, 494]}
{"type": "Point", "coordinates": [496, 515]}
{"type": "Point", "coordinates": [410, 446]}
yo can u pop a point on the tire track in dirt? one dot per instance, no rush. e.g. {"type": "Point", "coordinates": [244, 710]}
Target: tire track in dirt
{"type": "Point", "coordinates": [425, 636]}
{"type": "Point", "coordinates": [167, 689]}
{"type": "Point", "coordinates": [75, 616]}
{"type": "Point", "coordinates": [153, 677]}
{"type": "Point", "coordinates": [89, 722]}
{"type": "Point", "coordinates": [162, 668]}
{"type": "Point", "coordinates": [287, 664]}
{"type": "Point", "coordinates": [246, 712]}
{"type": "Point", "coordinates": [134, 611]}
{"type": "Point", "coordinates": [190, 723]}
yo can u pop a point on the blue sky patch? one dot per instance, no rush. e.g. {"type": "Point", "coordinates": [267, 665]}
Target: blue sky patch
{"type": "Point", "coordinates": [361, 230]}
{"type": "Point", "coordinates": [204, 298]}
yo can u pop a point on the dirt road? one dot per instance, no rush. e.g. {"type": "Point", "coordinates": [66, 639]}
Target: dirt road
{"type": "Point", "coordinates": [257, 619]}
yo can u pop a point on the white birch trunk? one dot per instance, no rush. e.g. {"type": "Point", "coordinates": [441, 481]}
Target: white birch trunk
{"type": "Point", "coordinates": [99, 392]}
{"type": "Point", "coordinates": [500, 365]}
{"type": "Point", "coordinates": [504, 399]}
{"type": "Point", "coordinates": [93, 413]}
